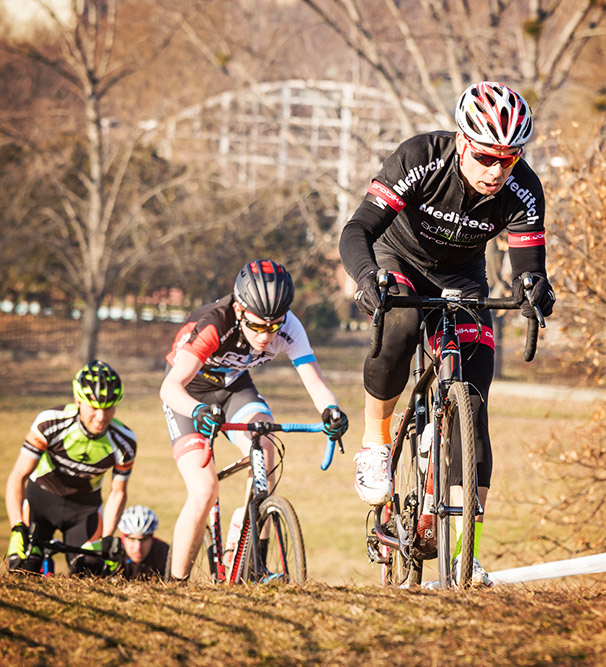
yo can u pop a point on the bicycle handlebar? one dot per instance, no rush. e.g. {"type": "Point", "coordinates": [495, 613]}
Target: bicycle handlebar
{"type": "Point", "coordinates": [264, 427]}
{"type": "Point", "coordinates": [477, 303]}
{"type": "Point", "coordinates": [56, 546]}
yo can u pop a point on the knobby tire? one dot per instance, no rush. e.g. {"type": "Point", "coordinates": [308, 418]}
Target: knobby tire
{"type": "Point", "coordinates": [285, 561]}
{"type": "Point", "coordinates": [408, 485]}
{"type": "Point", "coordinates": [458, 415]}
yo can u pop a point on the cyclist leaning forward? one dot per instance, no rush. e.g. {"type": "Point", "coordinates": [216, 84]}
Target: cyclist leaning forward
{"type": "Point", "coordinates": [208, 366]}
{"type": "Point", "coordinates": [63, 461]}
{"type": "Point", "coordinates": [426, 218]}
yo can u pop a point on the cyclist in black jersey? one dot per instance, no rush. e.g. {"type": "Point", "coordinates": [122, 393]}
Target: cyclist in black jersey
{"type": "Point", "coordinates": [57, 478]}
{"type": "Point", "coordinates": [208, 368]}
{"type": "Point", "coordinates": [426, 218]}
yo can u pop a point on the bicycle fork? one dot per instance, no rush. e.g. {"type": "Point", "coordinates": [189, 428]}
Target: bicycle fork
{"type": "Point", "coordinates": [249, 538]}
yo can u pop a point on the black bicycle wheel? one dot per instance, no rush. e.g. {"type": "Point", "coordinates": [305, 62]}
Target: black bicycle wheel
{"type": "Point", "coordinates": [457, 425]}
{"type": "Point", "coordinates": [406, 568]}
{"type": "Point", "coordinates": [284, 560]}
{"type": "Point", "coordinates": [204, 569]}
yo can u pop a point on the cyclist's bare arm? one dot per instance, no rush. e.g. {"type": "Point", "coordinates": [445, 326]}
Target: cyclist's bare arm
{"type": "Point", "coordinates": [114, 505]}
{"type": "Point", "coordinates": [173, 391]}
{"type": "Point", "coordinates": [15, 486]}
{"type": "Point", "coordinates": [314, 383]}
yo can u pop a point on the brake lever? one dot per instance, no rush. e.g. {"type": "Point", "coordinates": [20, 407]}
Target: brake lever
{"type": "Point", "coordinates": [527, 285]}
{"type": "Point", "coordinates": [335, 414]}
{"type": "Point", "coordinates": [382, 279]}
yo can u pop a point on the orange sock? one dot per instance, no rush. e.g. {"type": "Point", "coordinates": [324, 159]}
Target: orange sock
{"type": "Point", "coordinates": [376, 431]}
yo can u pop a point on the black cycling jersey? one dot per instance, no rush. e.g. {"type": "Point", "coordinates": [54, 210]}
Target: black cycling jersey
{"type": "Point", "coordinates": [418, 209]}
{"type": "Point", "coordinates": [153, 566]}
{"type": "Point", "coordinates": [418, 221]}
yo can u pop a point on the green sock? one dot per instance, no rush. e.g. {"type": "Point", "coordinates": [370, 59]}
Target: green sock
{"type": "Point", "coordinates": [476, 539]}
{"type": "Point", "coordinates": [478, 526]}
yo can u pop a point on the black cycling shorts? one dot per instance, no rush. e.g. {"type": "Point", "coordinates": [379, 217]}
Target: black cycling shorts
{"type": "Point", "coordinates": [385, 377]}
{"type": "Point", "coordinates": [77, 516]}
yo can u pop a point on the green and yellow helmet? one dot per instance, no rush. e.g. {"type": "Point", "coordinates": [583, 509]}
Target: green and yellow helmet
{"type": "Point", "coordinates": [98, 384]}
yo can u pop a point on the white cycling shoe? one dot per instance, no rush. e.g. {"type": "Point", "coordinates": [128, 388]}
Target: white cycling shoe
{"type": "Point", "coordinates": [373, 475]}
{"type": "Point", "coordinates": [479, 576]}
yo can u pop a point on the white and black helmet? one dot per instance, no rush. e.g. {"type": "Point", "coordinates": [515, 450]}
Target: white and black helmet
{"type": "Point", "coordinates": [491, 113]}
{"type": "Point", "coordinates": [264, 288]}
{"type": "Point", "coordinates": [138, 520]}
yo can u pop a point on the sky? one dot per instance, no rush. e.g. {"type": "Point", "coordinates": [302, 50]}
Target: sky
{"type": "Point", "coordinates": [22, 13]}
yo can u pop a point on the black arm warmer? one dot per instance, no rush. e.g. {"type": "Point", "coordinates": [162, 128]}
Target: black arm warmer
{"type": "Point", "coordinates": [358, 237]}
{"type": "Point", "coordinates": [527, 259]}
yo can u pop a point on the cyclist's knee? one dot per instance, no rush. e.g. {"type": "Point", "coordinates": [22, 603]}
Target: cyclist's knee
{"type": "Point", "coordinates": [202, 498]}
{"type": "Point", "coordinates": [401, 326]}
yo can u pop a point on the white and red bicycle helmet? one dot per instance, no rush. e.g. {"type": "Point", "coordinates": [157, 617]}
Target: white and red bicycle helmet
{"type": "Point", "coordinates": [491, 113]}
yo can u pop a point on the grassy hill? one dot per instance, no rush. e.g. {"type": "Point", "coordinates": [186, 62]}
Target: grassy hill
{"type": "Point", "coordinates": [342, 616]}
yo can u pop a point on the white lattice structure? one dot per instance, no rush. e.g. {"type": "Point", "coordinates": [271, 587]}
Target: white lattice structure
{"type": "Point", "coordinates": [292, 130]}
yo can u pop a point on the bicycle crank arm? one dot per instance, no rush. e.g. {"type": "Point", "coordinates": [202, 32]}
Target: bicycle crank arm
{"type": "Point", "coordinates": [383, 538]}
{"type": "Point", "coordinates": [373, 551]}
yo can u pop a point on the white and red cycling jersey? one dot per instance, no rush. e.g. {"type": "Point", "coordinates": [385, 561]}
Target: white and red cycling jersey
{"type": "Point", "coordinates": [212, 334]}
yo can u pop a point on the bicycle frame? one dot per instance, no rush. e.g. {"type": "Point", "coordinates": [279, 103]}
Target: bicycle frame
{"type": "Point", "coordinates": [259, 490]}
{"type": "Point", "coordinates": [446, 368]}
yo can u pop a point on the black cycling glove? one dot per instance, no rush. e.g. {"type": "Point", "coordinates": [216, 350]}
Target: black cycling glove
{"type": "Point", "coordinates": [208, 418]}
{"type": "Point", "coordinates": [541, 295]}
{"type": "Point", "coordinates": [367, 296]}
{"type": "Point", "coordinates": [335, 422]}
{"type": "Point", "coordinates": [111, 547]}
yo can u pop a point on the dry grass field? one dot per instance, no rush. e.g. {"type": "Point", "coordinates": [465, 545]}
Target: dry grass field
{"type": "Point", "coordinates": [342, 616]}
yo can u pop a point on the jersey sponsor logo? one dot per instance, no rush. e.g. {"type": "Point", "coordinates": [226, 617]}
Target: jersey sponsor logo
{"type": "Point", "coordinates": [526, 240]}
{"type": "Point", "coordinates": [445, 236]}
{"type": "Point", "coordinates": [527, 198]}
{"type": "Point", "coordinates": [416, 174]}
{"type": "Point", "coordinates": [123, 445]}
{"type": "Point", "coordinates": [74, 468]}
{"type": "Point", "coordinates": [286, 336]}
{"type": "Point", "coordinates": [228, 333]}
{"type": "Point", "coordinates": [231, 361]}
{"type": "Point", "coordinates": [456, 219]}
{"type": "Point", "coordinates": [385, 197]}
{"type": "Point", "coordinates": [185, 336]}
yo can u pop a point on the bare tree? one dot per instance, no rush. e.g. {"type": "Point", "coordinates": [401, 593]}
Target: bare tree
{"type": "Point", "coordinates": [429, 51]}
{"type": "Point", "coordinates": [97, 211]}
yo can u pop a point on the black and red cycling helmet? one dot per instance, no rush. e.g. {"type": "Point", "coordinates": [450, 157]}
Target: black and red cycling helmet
{"type": "Point", "coordinates": [264, 288]}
